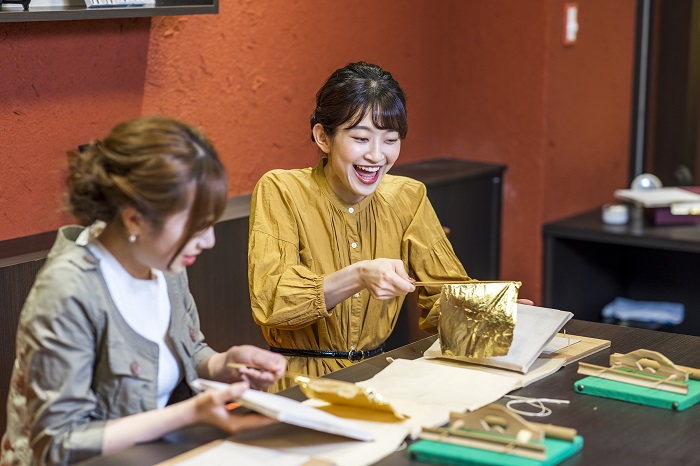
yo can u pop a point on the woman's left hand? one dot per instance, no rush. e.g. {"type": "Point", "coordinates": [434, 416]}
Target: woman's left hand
{"type": "Point", "coordinates": [210, 408]}
{"type": "Point", "coordinates": [525, 301]}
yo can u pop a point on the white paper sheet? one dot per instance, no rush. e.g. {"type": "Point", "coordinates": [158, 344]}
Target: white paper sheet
{"type": "Point", "coordinates": [423, 382]}
{"type": "Point", "coordinates": [338, 450]}
{"type": "Point", "coordinates": [427, 390]}
{"type": "Point", "coordinates": [557, 343]}
{"type": "Point", "coordinates": [227, 453]}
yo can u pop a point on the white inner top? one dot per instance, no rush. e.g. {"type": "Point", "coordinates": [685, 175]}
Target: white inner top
{"type": "Point", "coordinates": [144, 305]}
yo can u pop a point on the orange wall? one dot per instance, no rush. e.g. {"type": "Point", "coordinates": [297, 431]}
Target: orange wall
{"type": "Point", "coordinates": [485, 81]}
{"type": "Point", "coordinates": [61, 83]}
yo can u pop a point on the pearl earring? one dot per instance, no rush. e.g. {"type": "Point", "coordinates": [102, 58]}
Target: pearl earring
{"type": "Point", "coordinates": [132, 238]}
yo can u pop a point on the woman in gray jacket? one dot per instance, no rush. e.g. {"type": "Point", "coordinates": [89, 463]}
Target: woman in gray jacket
{"type": "Point", "coordinates": [109, 335]}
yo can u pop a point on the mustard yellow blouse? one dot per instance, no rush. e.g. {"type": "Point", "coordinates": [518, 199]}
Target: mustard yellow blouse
{"type": "Point", "coordinates": [301, 231]}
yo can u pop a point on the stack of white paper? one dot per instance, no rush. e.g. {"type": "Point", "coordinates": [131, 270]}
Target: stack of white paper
{"type": "Point", "coordinates": [659, 197]}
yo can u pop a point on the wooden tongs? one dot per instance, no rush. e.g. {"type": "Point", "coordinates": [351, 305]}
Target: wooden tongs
{"type": "Point", "coordinates": [495, 428]}
{"type": "Point", "coordinates": [458, 282]}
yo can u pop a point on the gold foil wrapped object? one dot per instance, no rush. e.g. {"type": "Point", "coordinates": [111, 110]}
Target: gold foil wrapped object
{"type": "Point", "coordinates": [477, 319]}
{"type": "Point", "coordinates": [341, 393]}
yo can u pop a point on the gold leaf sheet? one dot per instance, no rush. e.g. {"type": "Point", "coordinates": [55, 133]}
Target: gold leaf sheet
{"type": "Point", "coordinates": [477, 319]}
{"type": "Point", "coordinates": [341, 393]}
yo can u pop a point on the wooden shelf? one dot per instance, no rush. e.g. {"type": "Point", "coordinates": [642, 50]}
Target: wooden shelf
{"type": "Point", "coordinates": [14, 13]}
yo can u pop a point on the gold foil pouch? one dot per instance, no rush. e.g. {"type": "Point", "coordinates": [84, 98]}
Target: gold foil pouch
{"type": "Point", "coordinates": [339, 393]}
{"type": "Point", "coordinates": [477, 319]}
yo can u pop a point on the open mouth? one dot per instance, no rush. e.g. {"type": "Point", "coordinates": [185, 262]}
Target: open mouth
{"type": "Point", "coordinates": [367, 174]}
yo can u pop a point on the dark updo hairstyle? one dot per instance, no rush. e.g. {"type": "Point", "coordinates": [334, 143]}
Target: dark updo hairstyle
{"type": "Point", "coordinates": [154, 164]}
{"type": "Point", "coordinates": [352, 91]}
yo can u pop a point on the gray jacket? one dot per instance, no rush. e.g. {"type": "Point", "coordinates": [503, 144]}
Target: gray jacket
{"type": "Point", "coordinates": [79, 363]}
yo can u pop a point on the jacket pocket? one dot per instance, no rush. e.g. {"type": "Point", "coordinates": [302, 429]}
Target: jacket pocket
{"type": "Point", "coordinates": [127, 384]}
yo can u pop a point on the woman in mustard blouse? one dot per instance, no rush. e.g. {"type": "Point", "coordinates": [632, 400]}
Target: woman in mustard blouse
{"type": "Point", "coordinates": [333, 249]}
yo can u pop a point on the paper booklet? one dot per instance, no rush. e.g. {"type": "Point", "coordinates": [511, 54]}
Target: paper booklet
{"type": "Point", "coordinates": [658, 197]}
{"type": "Point", "coordinates": [534, 328]}
{"type": "Point", "coordinates": [293, 412]}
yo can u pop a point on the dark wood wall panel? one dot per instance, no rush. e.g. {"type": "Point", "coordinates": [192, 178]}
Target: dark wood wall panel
{"type": "Point", "coordinates": [15, 282]}
{"type": "Point", "coordinates": [219, 284]}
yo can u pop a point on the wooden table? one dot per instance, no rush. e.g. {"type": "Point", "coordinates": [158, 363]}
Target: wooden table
{"type": "Point", "coordinates": [614, 432]}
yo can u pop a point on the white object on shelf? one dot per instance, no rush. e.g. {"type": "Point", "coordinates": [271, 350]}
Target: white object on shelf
{"type": "Point", "coordinates": [615, 214]}
{"type": "Point", "coordinates": [686, 208]}
{"type": "Point", "coordinates": [646, 181]}
{"type": "Point", "coordinates": [659, 197]}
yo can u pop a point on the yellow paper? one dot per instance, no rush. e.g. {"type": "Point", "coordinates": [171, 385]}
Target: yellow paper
{"type": "Point", "coordinates": [346, 394]}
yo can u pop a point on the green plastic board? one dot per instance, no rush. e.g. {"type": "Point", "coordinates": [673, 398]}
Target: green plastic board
{"type": "Point", "coordinates": [641, 395]}
{"type": "Point", "coordinates": [450, 454]}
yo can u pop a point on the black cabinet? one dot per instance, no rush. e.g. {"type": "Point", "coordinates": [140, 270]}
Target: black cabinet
{"type": "Point", "coordinates": [588, 263]}
{"type": "Point", "coordinates": [219, 282]}
{"type": "Point", "coordinates": [467, 199]}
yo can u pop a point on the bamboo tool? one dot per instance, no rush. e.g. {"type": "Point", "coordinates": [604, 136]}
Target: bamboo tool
{"type": "Point", "coordinates": [239, 365]}
{"type": "Point", "coordinates": [456, 282]}
{"type": "Point", "coordinates": [643, 377]}
{"type": "Point", "coordinates": [493, 435]}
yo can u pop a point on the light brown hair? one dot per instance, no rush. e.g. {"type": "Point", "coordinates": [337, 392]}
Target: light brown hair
{"type": "Point", "coordinates": [155, 164]}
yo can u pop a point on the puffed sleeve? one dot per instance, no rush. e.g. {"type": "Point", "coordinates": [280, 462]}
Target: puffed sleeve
{"type": "Point", "coordinates": [431, 258]}
{"type": "Point", "coordinates": [56, 352]}
{"type": "Point", "coordinates": [283, 292]}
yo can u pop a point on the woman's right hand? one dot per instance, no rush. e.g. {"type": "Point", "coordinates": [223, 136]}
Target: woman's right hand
{"type": "Point", "coordinates": [210, 408]}
{"type": "Point", "coordinates": [385, 278]}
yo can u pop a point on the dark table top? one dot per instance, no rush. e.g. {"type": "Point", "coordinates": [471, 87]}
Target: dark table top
{"type": "Point", "coordinates": [614, 432]}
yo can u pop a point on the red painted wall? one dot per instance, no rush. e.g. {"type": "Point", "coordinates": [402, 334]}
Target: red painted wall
{"type": "Point", "coordinates": [485, 81]}
{"type": "Point", "coordinates": [61, 83]}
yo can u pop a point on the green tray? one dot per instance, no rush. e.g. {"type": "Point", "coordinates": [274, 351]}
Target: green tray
{"type": "Point", "coordinates": [641, 395]}
{"type": "Point", "coordinates": [450, 454]}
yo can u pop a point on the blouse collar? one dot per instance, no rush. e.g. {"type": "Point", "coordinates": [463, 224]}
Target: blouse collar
{"type": "Point", "coordinates": [320, 176]}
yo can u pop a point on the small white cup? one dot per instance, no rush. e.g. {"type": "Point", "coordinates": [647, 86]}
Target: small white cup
{"type": "Point", "coordinates": [615, 214]}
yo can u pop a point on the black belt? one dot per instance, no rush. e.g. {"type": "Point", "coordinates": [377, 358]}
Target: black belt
{"type": "Point", "coordinates": [352, 355]}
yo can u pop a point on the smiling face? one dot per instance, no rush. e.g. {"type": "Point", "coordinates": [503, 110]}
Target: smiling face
{"type": "Point", "coordinates": [156, 248]}
{"type": "Point", "coordinates": [358, 157]}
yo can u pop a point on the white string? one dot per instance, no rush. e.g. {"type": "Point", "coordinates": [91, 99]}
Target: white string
{"type": "Point", "coordinates": [535, 403]}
